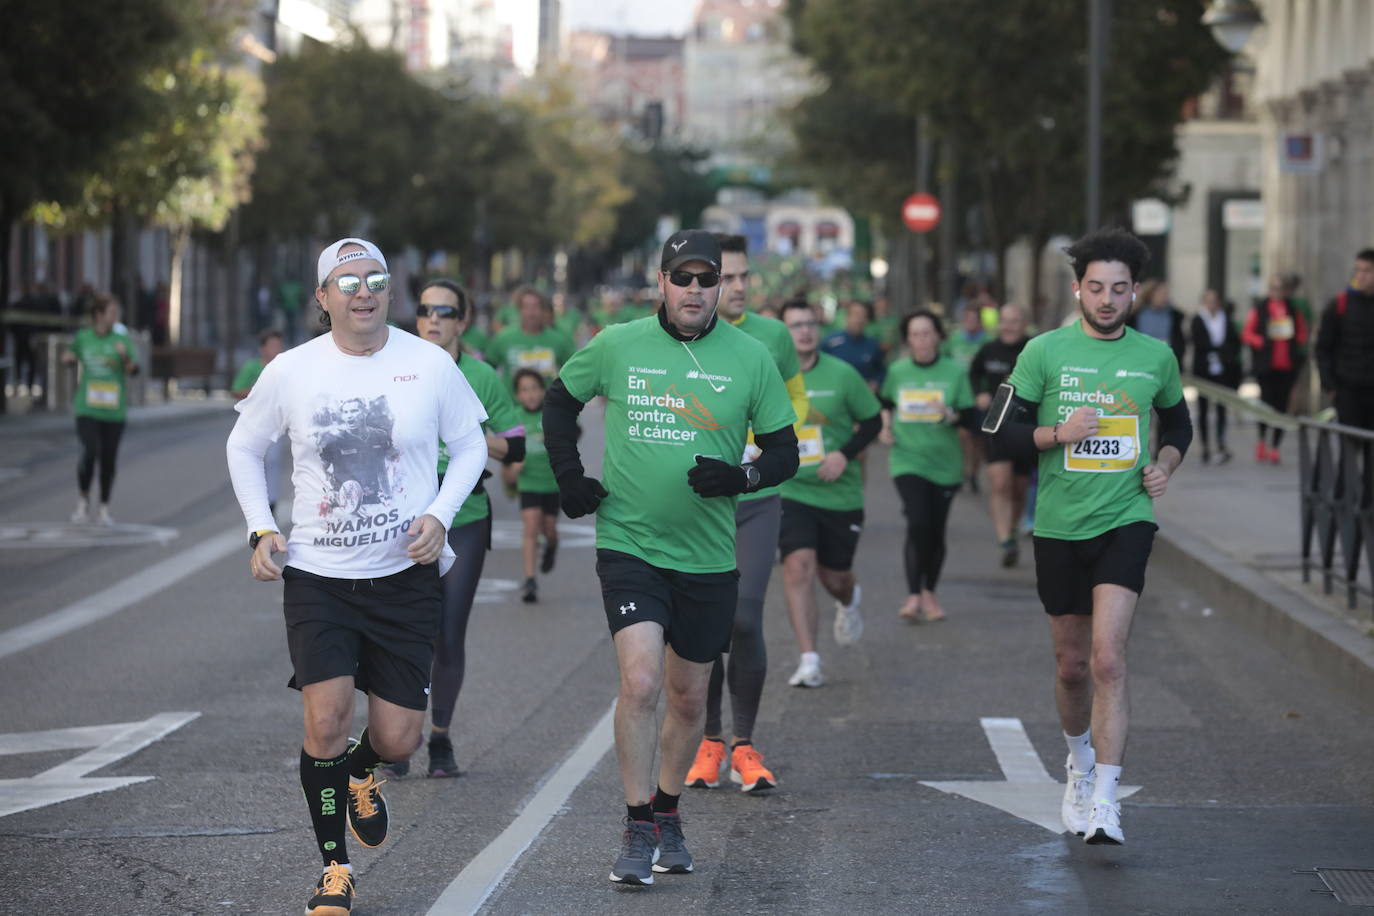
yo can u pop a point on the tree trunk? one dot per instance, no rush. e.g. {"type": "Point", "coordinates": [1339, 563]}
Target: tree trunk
{"type": "Point", "coordinates": [992, 228]}
{"type": "Point", "coordinates": [7, 215]}
{"type": "Point", "coordinates": [179, 238]}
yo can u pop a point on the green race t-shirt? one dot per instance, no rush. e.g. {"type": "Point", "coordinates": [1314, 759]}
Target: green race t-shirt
{"type": "Point", "coordinates": [961, 348]}
{"type": "Point", "coordinates": [475, 340]}
{"type": "Point", "coordinates": [248, 375]}
{"type": "Point", "coordinates": [501, 415]}
{"type": "Point", "coordinates": [1094, 486]}
{"type": "Point", "coordinates": [927, 445]}
{"type": "Point", "coordinates": [536, 476]}
{"type": "Point", "coordinates": [839, 398]}
{"type": "Point", "coordinates": [773, 334]}
{"type": "Point", "coordinates": [544, 352]}
{"type": "Point", "coordinates": [668, 401]}
{"type": "Point", "coordinates": [102, 388]}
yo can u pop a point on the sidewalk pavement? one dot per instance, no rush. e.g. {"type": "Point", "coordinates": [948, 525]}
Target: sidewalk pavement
{"type": "Point", "coordinates": [178, 410]}
{"type": "Point", "coordinates": [1233, 532]}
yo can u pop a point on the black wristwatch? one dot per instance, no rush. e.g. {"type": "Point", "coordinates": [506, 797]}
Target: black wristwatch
{"type": "Point", "coordinates": [258, 536]}
{"type": "Point", "coordinates": [751, 478]}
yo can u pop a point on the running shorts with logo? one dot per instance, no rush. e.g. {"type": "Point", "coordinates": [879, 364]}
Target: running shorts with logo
{"type": "Point", "coordinates": [695, 610]}
{"type": "Point", "coordinates": [1067, 571]}
{"type": "Point", "coordinates": [832, 533]}
{"type": "Point", "coordinates": [378, 631]}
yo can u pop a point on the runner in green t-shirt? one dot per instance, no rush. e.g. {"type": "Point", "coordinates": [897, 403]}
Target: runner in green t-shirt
{"type": "Point", "coordinates": [106, 358]}
{"type": "Point", "coordinates": [682, 391]}
{"type": "Point", "coordinates": [823, 505]}
{"type": "Point", "coordinates": [534, 481]}
{"type": "Point", "coordinates": [757, 518]}
{"type": "Point", "coordinates": [532, 343]}
{"type": "Point", "coordinates": [440, 318]}
{"type": "Point", "coordinates": [961, 346]}
{"type": "Point", "coordinates": [269, 346]}
{"type": "Point", "coordinates": [1085, 392]}
{"type": "Point", "coordinates": [926, 397]}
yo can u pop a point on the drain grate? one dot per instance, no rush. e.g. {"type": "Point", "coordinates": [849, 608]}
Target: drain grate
{"type": "Point", "coordinates": [1351, 886]}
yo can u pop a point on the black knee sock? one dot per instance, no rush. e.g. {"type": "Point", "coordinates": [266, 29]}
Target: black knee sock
{"type": "Point", "coordinates": [325, 784]}
{"type": "Point", "coordinates": [362, 759]}
{"type": "Point", "coordinates": [641, 813]}
{"type": "Point", "coordinates": [663, 803]}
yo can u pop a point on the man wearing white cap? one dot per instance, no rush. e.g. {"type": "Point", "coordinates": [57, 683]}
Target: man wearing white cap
{"type": "Point", "coordinates": [365, 407]}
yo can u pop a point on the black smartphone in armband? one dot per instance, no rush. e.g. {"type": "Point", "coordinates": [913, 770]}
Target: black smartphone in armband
{"type": "Point", "coordinates": [999, 408]}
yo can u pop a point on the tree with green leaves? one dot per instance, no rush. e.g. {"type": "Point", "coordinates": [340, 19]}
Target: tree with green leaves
{"type": "Point", "coordinates": [1005, 82]}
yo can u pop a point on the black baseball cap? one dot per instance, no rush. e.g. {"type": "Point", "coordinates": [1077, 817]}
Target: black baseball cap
{"type": "Point", "coordinates": [690, 245]}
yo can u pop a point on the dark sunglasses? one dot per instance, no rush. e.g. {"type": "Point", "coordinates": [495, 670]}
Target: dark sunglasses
{"type": "Point", "coordinates": [685, 277]}
{"type": "Point", "coordinates": [436, 311]}
{"type": "Point", "coordinates": [349, 284]}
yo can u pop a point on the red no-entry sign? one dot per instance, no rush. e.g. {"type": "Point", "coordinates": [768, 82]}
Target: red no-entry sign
{"type": "Point", "coordinates": [921, 212]}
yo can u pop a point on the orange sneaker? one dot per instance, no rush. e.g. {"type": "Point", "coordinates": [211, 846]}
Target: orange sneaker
{"type": "Point", "coordinates": [705, 771]}
{"type": "Point", "coordinates": [747, 769]}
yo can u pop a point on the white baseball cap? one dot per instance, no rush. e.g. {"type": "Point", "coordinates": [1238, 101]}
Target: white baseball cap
{"type": "Point", "coordinates": [330, 257]}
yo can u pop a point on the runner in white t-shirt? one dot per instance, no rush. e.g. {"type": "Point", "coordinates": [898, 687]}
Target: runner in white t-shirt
{"type": "Point", "coordinates": [365, 408]}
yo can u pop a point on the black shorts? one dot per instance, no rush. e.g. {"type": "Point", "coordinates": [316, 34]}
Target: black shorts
{"type": "Point", "coordinates": [1022, 465]}
{"type": "Point", "coordinates": [545, 501]}
{"type": "Point", "coordinates": [832, 533]}
{"type": "Point", "coordinates": [1067, 571]}
{"type": "Point", "coordinates": [380, 632]}
{"type": "Point", "coordinates": [696, 610]}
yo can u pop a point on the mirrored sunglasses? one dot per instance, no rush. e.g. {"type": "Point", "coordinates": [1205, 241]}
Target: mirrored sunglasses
{"type": "Point", "coordinates": [436, 311]}
{"type": "Point", "coordinates": [349, 284]}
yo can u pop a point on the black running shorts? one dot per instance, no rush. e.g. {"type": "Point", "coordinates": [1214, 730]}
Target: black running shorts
{"type": "Point", "coordinates": [696, 610]}
{"type": "Point", "coordinates": [1067, 571]}
{"type": "Point", "coordinates": [832, 533]}
{"type": "Point", "coordinates": [545, 501]}
{"type": "Point", "coordinates": [1023, 465]}
{"type": "Point", "coordinates": [380, 631]}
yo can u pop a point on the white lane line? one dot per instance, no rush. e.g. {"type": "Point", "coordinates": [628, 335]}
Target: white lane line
{"type": "Point", "coordinates": [121, 595]}
{"type": "Point", "coordinates": [474, 884]}
{"type": "Point", "coordinates": [1015, 755]}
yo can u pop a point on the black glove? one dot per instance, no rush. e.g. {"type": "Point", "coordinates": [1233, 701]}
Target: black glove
{"type": "Point", "coordinates": [713, 477]}
{"type": "Point", "coordinates": [580, 495]}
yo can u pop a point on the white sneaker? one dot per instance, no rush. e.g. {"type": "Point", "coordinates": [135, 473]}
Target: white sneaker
{"type": "Point", "coordinates": [1104, 825]}
{"type": "Point", "coordinates": [808, 674]}
{"type": "Point", "coordinates": [849, 624]}
{"type": "Point", "coordinates": [82, 515]}
{"type": "Point", "coordinates": [104, 517]}
{"type": "Point", "coordinates": [1078, 799]}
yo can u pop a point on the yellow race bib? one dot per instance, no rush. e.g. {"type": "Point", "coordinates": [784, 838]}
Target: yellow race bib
{"type": "Point", "coordinates": [810, 446]}
{"type": "Point", "coordinates": [920, 405]}
{"type": "Point", "coordinates": [1115, 447]}
{"type": "Point", "coordinates": [104, 395]}
{"type": "Point", "coordinates": [540, 359]}
{"type": "Point", "coordinates": [1281, 329]}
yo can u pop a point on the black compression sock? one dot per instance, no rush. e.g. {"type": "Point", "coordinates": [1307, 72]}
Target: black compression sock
{"type": "Point", "coordinates": [743, 741]}
{"type": "Point", "coordinates": [362, 759]}
{"type": "Point", "coordinates": [325, 783]}
{"type": "Point", "coordinates": [663, 803]}
{"type": "Point", "coordinates": [641, 813]}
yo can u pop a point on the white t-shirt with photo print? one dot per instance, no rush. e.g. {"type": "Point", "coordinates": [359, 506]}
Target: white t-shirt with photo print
{"type": "Point", "coordinates": [365, 433]}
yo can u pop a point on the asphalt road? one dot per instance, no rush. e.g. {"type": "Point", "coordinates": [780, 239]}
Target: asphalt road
{"type": "Point", "coordinates": [1250, 766]}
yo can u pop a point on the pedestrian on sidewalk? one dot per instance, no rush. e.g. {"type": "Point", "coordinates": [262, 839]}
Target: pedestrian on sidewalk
{"type": "Point", "coordinates": [1216, 358]}
{"type": "Point", "coordinates": [1083, 397]}
{"type": "Point", "coordinates": [365, 407]}
{"type": "Point", "coordinates": [682, 390]}
{"type": "Point", "coordinates": [926, 399]}
{"type": "Point", "coordinates": [1345, 346]}
{"type": "Point", "coordinates": [1274, 331]}
{"type": "Point", "coordinates": [1155, 316]}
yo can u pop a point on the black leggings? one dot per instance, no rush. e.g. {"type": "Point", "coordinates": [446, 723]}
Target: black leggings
{"type": "Point", "coordinates": [1275, 387]}
{"type": "Point", "coordinates": [470, 543]}
{"type": "Point", "coordinates": [99, 442]}
{"type": "Point", "coordinates": [1204, 405]}
{"type": "Point", "coordinates": [926, 506]}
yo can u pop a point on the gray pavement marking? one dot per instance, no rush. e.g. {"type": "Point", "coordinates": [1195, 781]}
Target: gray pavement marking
{"type": "Point", "coordinates": [475, 883]}
{"type": "Point", "coordinates": [66, 535]}
{"type": "Point", "coordinates": [1027, 791]}
{"type": "Point", "coordinates": [68, 780]}
{"type": "Point", "coordinates": [122, 594]}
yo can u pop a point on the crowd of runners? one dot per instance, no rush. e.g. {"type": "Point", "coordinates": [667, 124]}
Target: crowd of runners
{"type": "Point", "coordinates": [733, 442]}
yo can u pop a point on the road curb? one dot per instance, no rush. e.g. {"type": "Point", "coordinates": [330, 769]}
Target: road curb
{"type": "Point", "coordinates": [30, 424]}
{"type": "Point", "coordinates": [1285, 618]}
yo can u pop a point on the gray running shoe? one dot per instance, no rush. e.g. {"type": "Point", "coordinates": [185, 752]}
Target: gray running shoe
{"type": "Point", "coordinates": [638, 853]}
{"type": "Point", "coordinates": [673, 858]}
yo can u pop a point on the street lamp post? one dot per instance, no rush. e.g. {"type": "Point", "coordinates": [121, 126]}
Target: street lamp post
{"type": "Point", "coordinates": [1099, 15]}
{"type": "Point", "coordinates": [1232, 22]}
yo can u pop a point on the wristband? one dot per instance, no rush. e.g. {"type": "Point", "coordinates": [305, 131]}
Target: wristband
{"type": "Point", "coordinates": [1055, 433]}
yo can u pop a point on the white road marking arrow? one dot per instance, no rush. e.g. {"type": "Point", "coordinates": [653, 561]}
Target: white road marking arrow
{"type": "Point", "coordinates": [1027, 791]}
{"type": "Point", "coordinates": [108, 743]}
